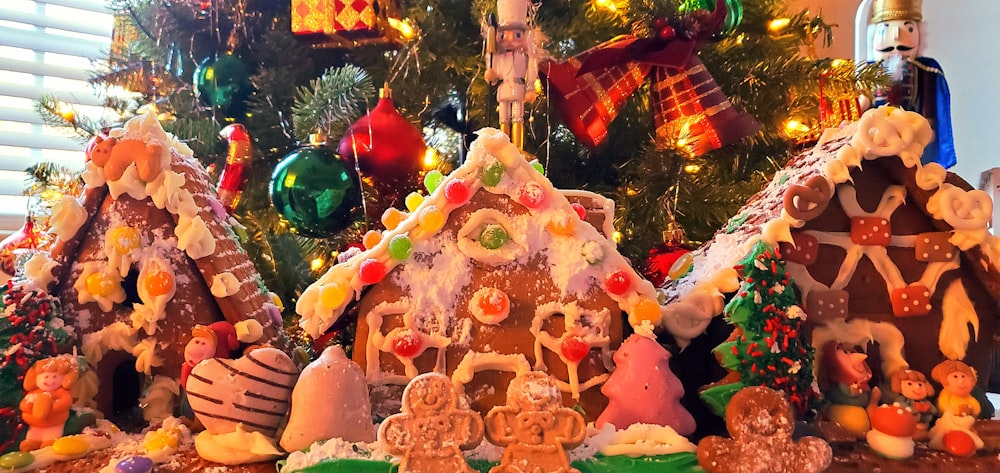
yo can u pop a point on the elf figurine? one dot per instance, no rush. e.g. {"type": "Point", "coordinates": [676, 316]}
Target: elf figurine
{"type": "Point", "coordinates": [911, 388]}
{"type": "Point", "coordinates": [218, 340]}
{"type": "Point", "coordinates": [894, 39]}
{"type": "Point", "coordinates": [846, 375]}
{"type": "Point", "coordinates": [512, 54]}
{"type": "Point", "coordinates": [45, 407]}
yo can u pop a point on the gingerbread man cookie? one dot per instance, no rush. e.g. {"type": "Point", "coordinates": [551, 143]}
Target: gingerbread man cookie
{"type": "Point", "coordinates": [760, 421]}
{"type": "Point", "coordinates": [433, 428]}
{"type": "Point", "coordinates": [534, 428]}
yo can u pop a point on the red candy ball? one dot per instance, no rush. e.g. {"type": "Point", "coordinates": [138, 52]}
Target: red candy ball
{"type": "Point", "coordinates": [659, 23]}
{"type": "Point", "coordinates": [959, 443]}
{"type": "Point", "coordinates": [666, 33]}
{"type": "Point", "coordinates": [456, 192]}
{"type": "Point", "coordinates": [406, 344]}
{"type": "Point", "coordinates": [617, 282]}
{"type": "Point", "coordinates": [574, 348]}
{"type": "Point", "coordinates": [581, 211]}
{"type": "Point", "coordinates": [371, 271]}
{"type": "Point", "coordinates": [532, 195]}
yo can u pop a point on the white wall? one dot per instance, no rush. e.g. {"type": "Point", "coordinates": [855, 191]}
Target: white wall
{"type": "Point", "coordinates": [964, 36]}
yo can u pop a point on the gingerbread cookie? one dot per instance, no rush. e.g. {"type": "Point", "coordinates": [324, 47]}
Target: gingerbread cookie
{"type": "Point", "coordinates": [534, 428]}
{"type": "Point", "coordinates": [760, 421]}
{"type": "Point", "coordinates": [433, 428]}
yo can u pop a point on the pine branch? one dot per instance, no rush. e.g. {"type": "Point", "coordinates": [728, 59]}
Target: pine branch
{"type": "Point", "coordinates": [331, 102]}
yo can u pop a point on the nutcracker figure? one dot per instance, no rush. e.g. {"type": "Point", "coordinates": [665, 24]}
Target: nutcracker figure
{"type": "Point", "coordinates": [512, 53]}
{"type": "Point", "coordinates": [894, 38]}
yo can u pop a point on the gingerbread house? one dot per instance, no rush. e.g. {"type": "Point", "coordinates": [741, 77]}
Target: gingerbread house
{"type": "Point", "coordinates": [495, 273]}
{"type": "Point", "coordinates": [145, 254]}
{"type": "Point", "coordinates": [886, 253]}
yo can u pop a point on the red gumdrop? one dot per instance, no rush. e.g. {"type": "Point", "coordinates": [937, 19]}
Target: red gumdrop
{"type": "Point", "coordinates": [456, 192]}
{"type": "Point", "coordinates": [617, 282]}
{"type": "Point", "coordinates": [574, 348]}
{"type": "Point", "coordinates": [406, 344]}
{"type": "Point", "coordinates": [581, 211]}
{"type": "Point", "coordinates": [532, 195]}
{"type": "Point", "coordinates": [371, 271]}
{"type": "Point", "coordinates": [959, 443]}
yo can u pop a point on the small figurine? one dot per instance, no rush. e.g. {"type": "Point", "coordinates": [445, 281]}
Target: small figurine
{"type": "Point", "coordinates": [217, 340]}
{"type": "Point", "coordinates": [847, 375]}
{"type": "Point", "coordinates": [512, 60]}
{"type": "Point", "coordinates": [911, 389]}
{"type": "Point", "coordinates": [760, 421]}
{"type": "Point", "coordinates": [45, 408]}
{"type": "Point", "coordinates": [534, 428]}
{"type": "Point", "coordinates": [957, 381]}
{"type": "Point", "coordinates": [953, 433]}
{"type": "Point", "coordinates": [433, 428]}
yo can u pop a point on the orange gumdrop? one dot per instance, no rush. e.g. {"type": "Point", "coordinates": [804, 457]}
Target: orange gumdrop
{"type": "Point", "coordinates": [494, 302]}
{"type": "Point", "coordinates": [159, 283]}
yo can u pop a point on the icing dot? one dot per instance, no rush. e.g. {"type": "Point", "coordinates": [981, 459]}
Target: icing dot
{"type": "Point", "coordinates": [100, 284]}
{"type": "Point", "coordinates": [574, 348]}
{"type": "Point", "coordinates": [493, 236]}
{"type": "Point", "coordinates": [392, 217]}
{"type": "Point", "coordinates": [886, 234]}
{"type": "Point", "coordinates": [581, 211]}
{"type": "Point", "coordinates": [531, 195]}
{"type": "Point", "coordinates": [925, 255]}
{"type": "Point", "coordinates": [928, 307]}
{"type": "Point", "coordinates": [927, 240]}
{"type": "Point", "coordinates": [432, 180]}
{"type": "Point", "coordinates": [947, 255]}
{"type": "Point", "coordinates": [861, 221]}
{"type": "Point", "coordinates": [371, 271]}
{"type": "Point", "coordinates": [14, 460]}
{"type": "Point", "coordinates": [406, 343]}
{"type": "Point", "coordinates": [617, 282]}
{"type": "Point", "coordinates": [592, 252]}
{"type": "Point", "coordinates": [875, 228]}
{"type": "Point", "coordinates": [70, 446]}
{"type": "Point", "coordinates": [399, 247]}
{"type": "Point", "coordinates": [138, 464]}
{"type": "Point", "coordinates": [372, 238]}
{"type": "Point", "coordinates": [159, 283]}
{"type": "Point", "coordinates": [413, 200]}
{"type": "Point", "coordinates": [492, 173]}
{"type": "Point", "coordinates": [431, 218]}
{"type": "Point", "coordinates": [333, 295]}
{"type": "Point", "coordinates": [927, 294]}
{"type": "Point", "coordinates": [904, 296]}
{"type": "Point", "coordinates": [937, 247]}
{"type": "Point", "coordinates": [456, 192]}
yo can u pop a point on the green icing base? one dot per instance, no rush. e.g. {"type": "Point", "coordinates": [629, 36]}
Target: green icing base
{"type": "Point", "coordinates": [673, 463]}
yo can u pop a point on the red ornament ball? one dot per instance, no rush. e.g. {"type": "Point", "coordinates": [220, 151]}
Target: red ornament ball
{"type": "Point", "coordinates": [659, 23]}
{"type": "Point", "coordinates": [666, 33]}
{"type": "Point", "coordinates": [406, 343]}
{"type": "Point", "coordinates": [617, 282]}
{"type": "Point", "coordinates": [581, 211]}
{"type": "Point", "coordinates": [456, 192]}
{"type": "Point", "coordinates": [574, 348]}
{"type": "Point", "coordinates": [371, 271]}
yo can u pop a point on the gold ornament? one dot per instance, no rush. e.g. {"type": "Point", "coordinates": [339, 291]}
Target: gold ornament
{"type": "Point", "coordinates": [888, 10]}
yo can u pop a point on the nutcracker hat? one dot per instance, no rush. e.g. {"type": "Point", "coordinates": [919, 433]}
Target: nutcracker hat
{"type": "Point", "coordinates": [512, 13]}
{"type": "Point", "coordinates": [888, 10]}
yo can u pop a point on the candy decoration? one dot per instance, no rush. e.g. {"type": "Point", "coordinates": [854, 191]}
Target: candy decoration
{"type": "Point", "coordinates": [392, 217]}
{"type": "Point", "coordinates": [26, 239]}
{"type": "Point", "coordinates": [431, 219]}
{"type": "Point", "coordinates": [399, 247]}
{"type": "Point", "coordinates": [70, 446]}
{"type": "Point", "coordinates": [371, 238]}
{"type": "Point", "coordinates": [388, 150]}
{"type": "Point", "coordinates": [14, 460]}
{"type": "Point", "coordinates": [124, 239]}
{"type": "Point", "coordinates": [493, 236]}
{"type": "Point", "coordinates": [432, 180]}
{"type": "Point", "coordinates": [371, 271]}
{"type": "Point", "coordinates": [456, 192]}
{"type": "Point", "coordinates": [538, 166]}
{"type": "Point", "coordinates": [136, 464]}
{"type": "Point", "coordinates": [316, 191]}
{"type": "Point", "coordinates": [959, 443]}
{"type": "Point", "coordinates": [158, 283]}
{"type": "Point", "coordinates": [236, 173]}
{"type": "Point", "coordinates": [413, 200]}
{"type": "Point", "coordinates": [532, 195]}
{"type": "Point", "coordinates": [333, 295]}
{"type": "Point", "coordinates": [646, 310]}
{"type": "Point", "coordinates": [682, 266]}
{"type": "Point", "coordinates": [102, 285]}
{"type": "Point", "coordinates": [617, 282]}
{"type": "Point", "coordinates": [490, 305]}
{"type": "Point", "coordinates": [561, 224]}
{"type": "Point", "coordinates": [574, 349]}
{"type": "Point", "coordinates": [580, 210]}
{"type": "Point", "coordinates": [492, 173]}
{"type": "Point", "coordinates": [407, 343]}
{"type": "Point", "coordinates": [592, 252]}
{"type": "Point", "coordinates": [221, 82]}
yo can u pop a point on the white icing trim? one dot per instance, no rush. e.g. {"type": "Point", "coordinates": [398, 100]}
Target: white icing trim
{"type": "Point", "coordinates": [67, 216]}
{"type": "Point", "coordinates": [594, 333]}
{"type": "Point", "coordinates": [860, 332]}
{"type": "Point", "coordinates": [468, 238]}
{"type": "Point", "coordinates": [958, 314]}
{"type": "Point", "coordinates": [474, 362]}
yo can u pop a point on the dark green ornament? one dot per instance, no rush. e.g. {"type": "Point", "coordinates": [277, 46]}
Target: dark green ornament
{"type": "Point", "coordinates": [221, 82]}
{"type": "Point", "coordinates": [317, 191]}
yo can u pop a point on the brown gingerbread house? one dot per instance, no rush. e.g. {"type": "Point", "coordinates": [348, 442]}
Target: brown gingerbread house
{"type": "Point", "coordinates": [493, 274]}
{"type": "Point", "coordinates": [884, 252]}
{"type": "Point", "coordinates": [138, 261]}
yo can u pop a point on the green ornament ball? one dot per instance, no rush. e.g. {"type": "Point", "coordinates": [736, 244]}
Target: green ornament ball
{"type": "Point", "coordinates": [316, 191]}
{"type": "Point", "coordinates": [492, 173]}
{"type": "Point", "coordinates": [399, 247]}
{"type": "Point", "coordinates": [221, 82]}
{"type": "Point", "coordinates": [493, 236]}
{"type": "Point", "coordinates": [432, 180]}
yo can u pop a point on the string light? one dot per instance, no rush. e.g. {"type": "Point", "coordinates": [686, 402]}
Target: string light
{"type": "Point", "coordinates": [777, 25]}
{"type": "Point", "coordinates": [316, 264]}
{"type": "Point", "coordinates": [403, 27]}
{"type": "Point", "coordinates": [609, 5]}
{"type": "Point", "coordinates": [617, 236]}
{"type": "Point", "coordinates": [692, 168]}
{"type": "Point", "coordinates": [431, 158]}
{"type": "Point", "coordinates": [66, 111]}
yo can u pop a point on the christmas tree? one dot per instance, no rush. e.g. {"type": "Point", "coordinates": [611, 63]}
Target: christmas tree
{"type": "Point", "coordinates": [202, 65]}
{"type": "Point", "coordinates": [767, 347]}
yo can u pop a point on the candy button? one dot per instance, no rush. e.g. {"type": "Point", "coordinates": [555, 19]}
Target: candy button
{"type": "Point", "coordinates": [332, 296]}
{"type": "Point", "coordinates": [413, 200]}
{"type": "Point", "coordinates": [492, 173]}
{"type": "Point", "coordinates": [431, 219]}
{"type": "Point", "coordinates": [70, 446]}
{"type": "Point", "coordinates": [646, 310]}
{"type": "Point", "coordinates": [371, 271]}
{"type": "Point", "coordinates": [16, 460]}
{"type": "Point", "coordinates": [574, 349]}
{"type": "Point", "coordinates": [399, 247]}
{"type": "Point", "coordinates": [432, 180]}
{"type": "Point", "coordinates": [493, 236]}
{"type": "Point", "coordinates": [372, 238]}
{"type": "Point", "coordinates": [456, 192]}
{"type": "Point", "coordinates": [134, 465]}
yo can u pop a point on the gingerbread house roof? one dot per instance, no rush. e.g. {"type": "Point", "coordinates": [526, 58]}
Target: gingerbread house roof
{"type": "Point", "coordinates": [579, 257]}
{"type": "Point", "coordinates": [889, 138]}
{"type": "Point", "coordinates": [194, 224]}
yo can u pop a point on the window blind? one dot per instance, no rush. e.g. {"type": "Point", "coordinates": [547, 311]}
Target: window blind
{"type": "Point", "coordinates": [46, 47]}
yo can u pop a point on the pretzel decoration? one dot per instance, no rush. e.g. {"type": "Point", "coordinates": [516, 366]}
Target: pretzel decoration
{"type": "Point", "coordinates": [806, 202]}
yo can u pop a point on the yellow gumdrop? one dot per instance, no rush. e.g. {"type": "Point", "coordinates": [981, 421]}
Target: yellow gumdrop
{"type": "Point", "coordinates": [431, 219]}
{"type": "Point", "coordinates": [681, 266]}
{"type": "Point", "coordinates": [562, 225]}
{"type": "Point", "coordinates": [413, 200]}
{"type": "Point", "coordinates": [70, 446]}
{"type": "Point", "coordinates": [124, 239]}
{"type": "Point", "coordinates": [101, 285]}
{"type": "Point", "coordinates": [645, 310]}
{"type": "Point", "coordinates": [160, 440]}
{"type": "Point", "coordinates": [332, 295]}
{"type": "Point", "coordinates": [277, 301]}
{"type": "Point", "coordinates": [372, 238]}
{"type": "Point", "coordinates": [391, 218]}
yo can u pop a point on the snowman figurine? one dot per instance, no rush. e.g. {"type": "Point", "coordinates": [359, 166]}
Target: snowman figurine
{"type": "Point", "coordinates": [512, 62]}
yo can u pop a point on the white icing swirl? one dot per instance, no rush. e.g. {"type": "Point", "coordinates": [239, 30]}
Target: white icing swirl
{"type": "Point", "coordinates": [129, 184]}
{"type": "Point", "coordinates": [67, 217]}
{"type": "Point", "coordinates": [249, 331]}
{"type": "Point", "coordinates": [930, 176]}
{"type": "Point", "coordinates": [39, 268]}
{"type": "Point", "coordinates": [159, 399]}
{"type": "Point", "coordinates": [194, 237]}
{"type": "Point", "coordinates": [647, 439]}
{"type": "Point", "coordinates": [117, 336]}
{"type": "Point", "coordinates": [93, 175]}
{"type": "Point", "coordinates": [146, 357]}
{"type": "Point", "coordinates": [225, 285]}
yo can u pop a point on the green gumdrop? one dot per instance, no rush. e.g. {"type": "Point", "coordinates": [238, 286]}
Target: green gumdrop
{"type": "Point", "coordinates": [538, 166]}
{"type": "Point", "coordinates": [492, 173]}
{"type": "Point", "coordinates": [592, 252]}
{"type": "Point", "coordinates": [493, 236]}
{"type": "Point", "coordinates": [399, 247]}
{"type": "Point", "coordinates": [432, 180]}
{"type": "Point", "coordinates": [14, 460]}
